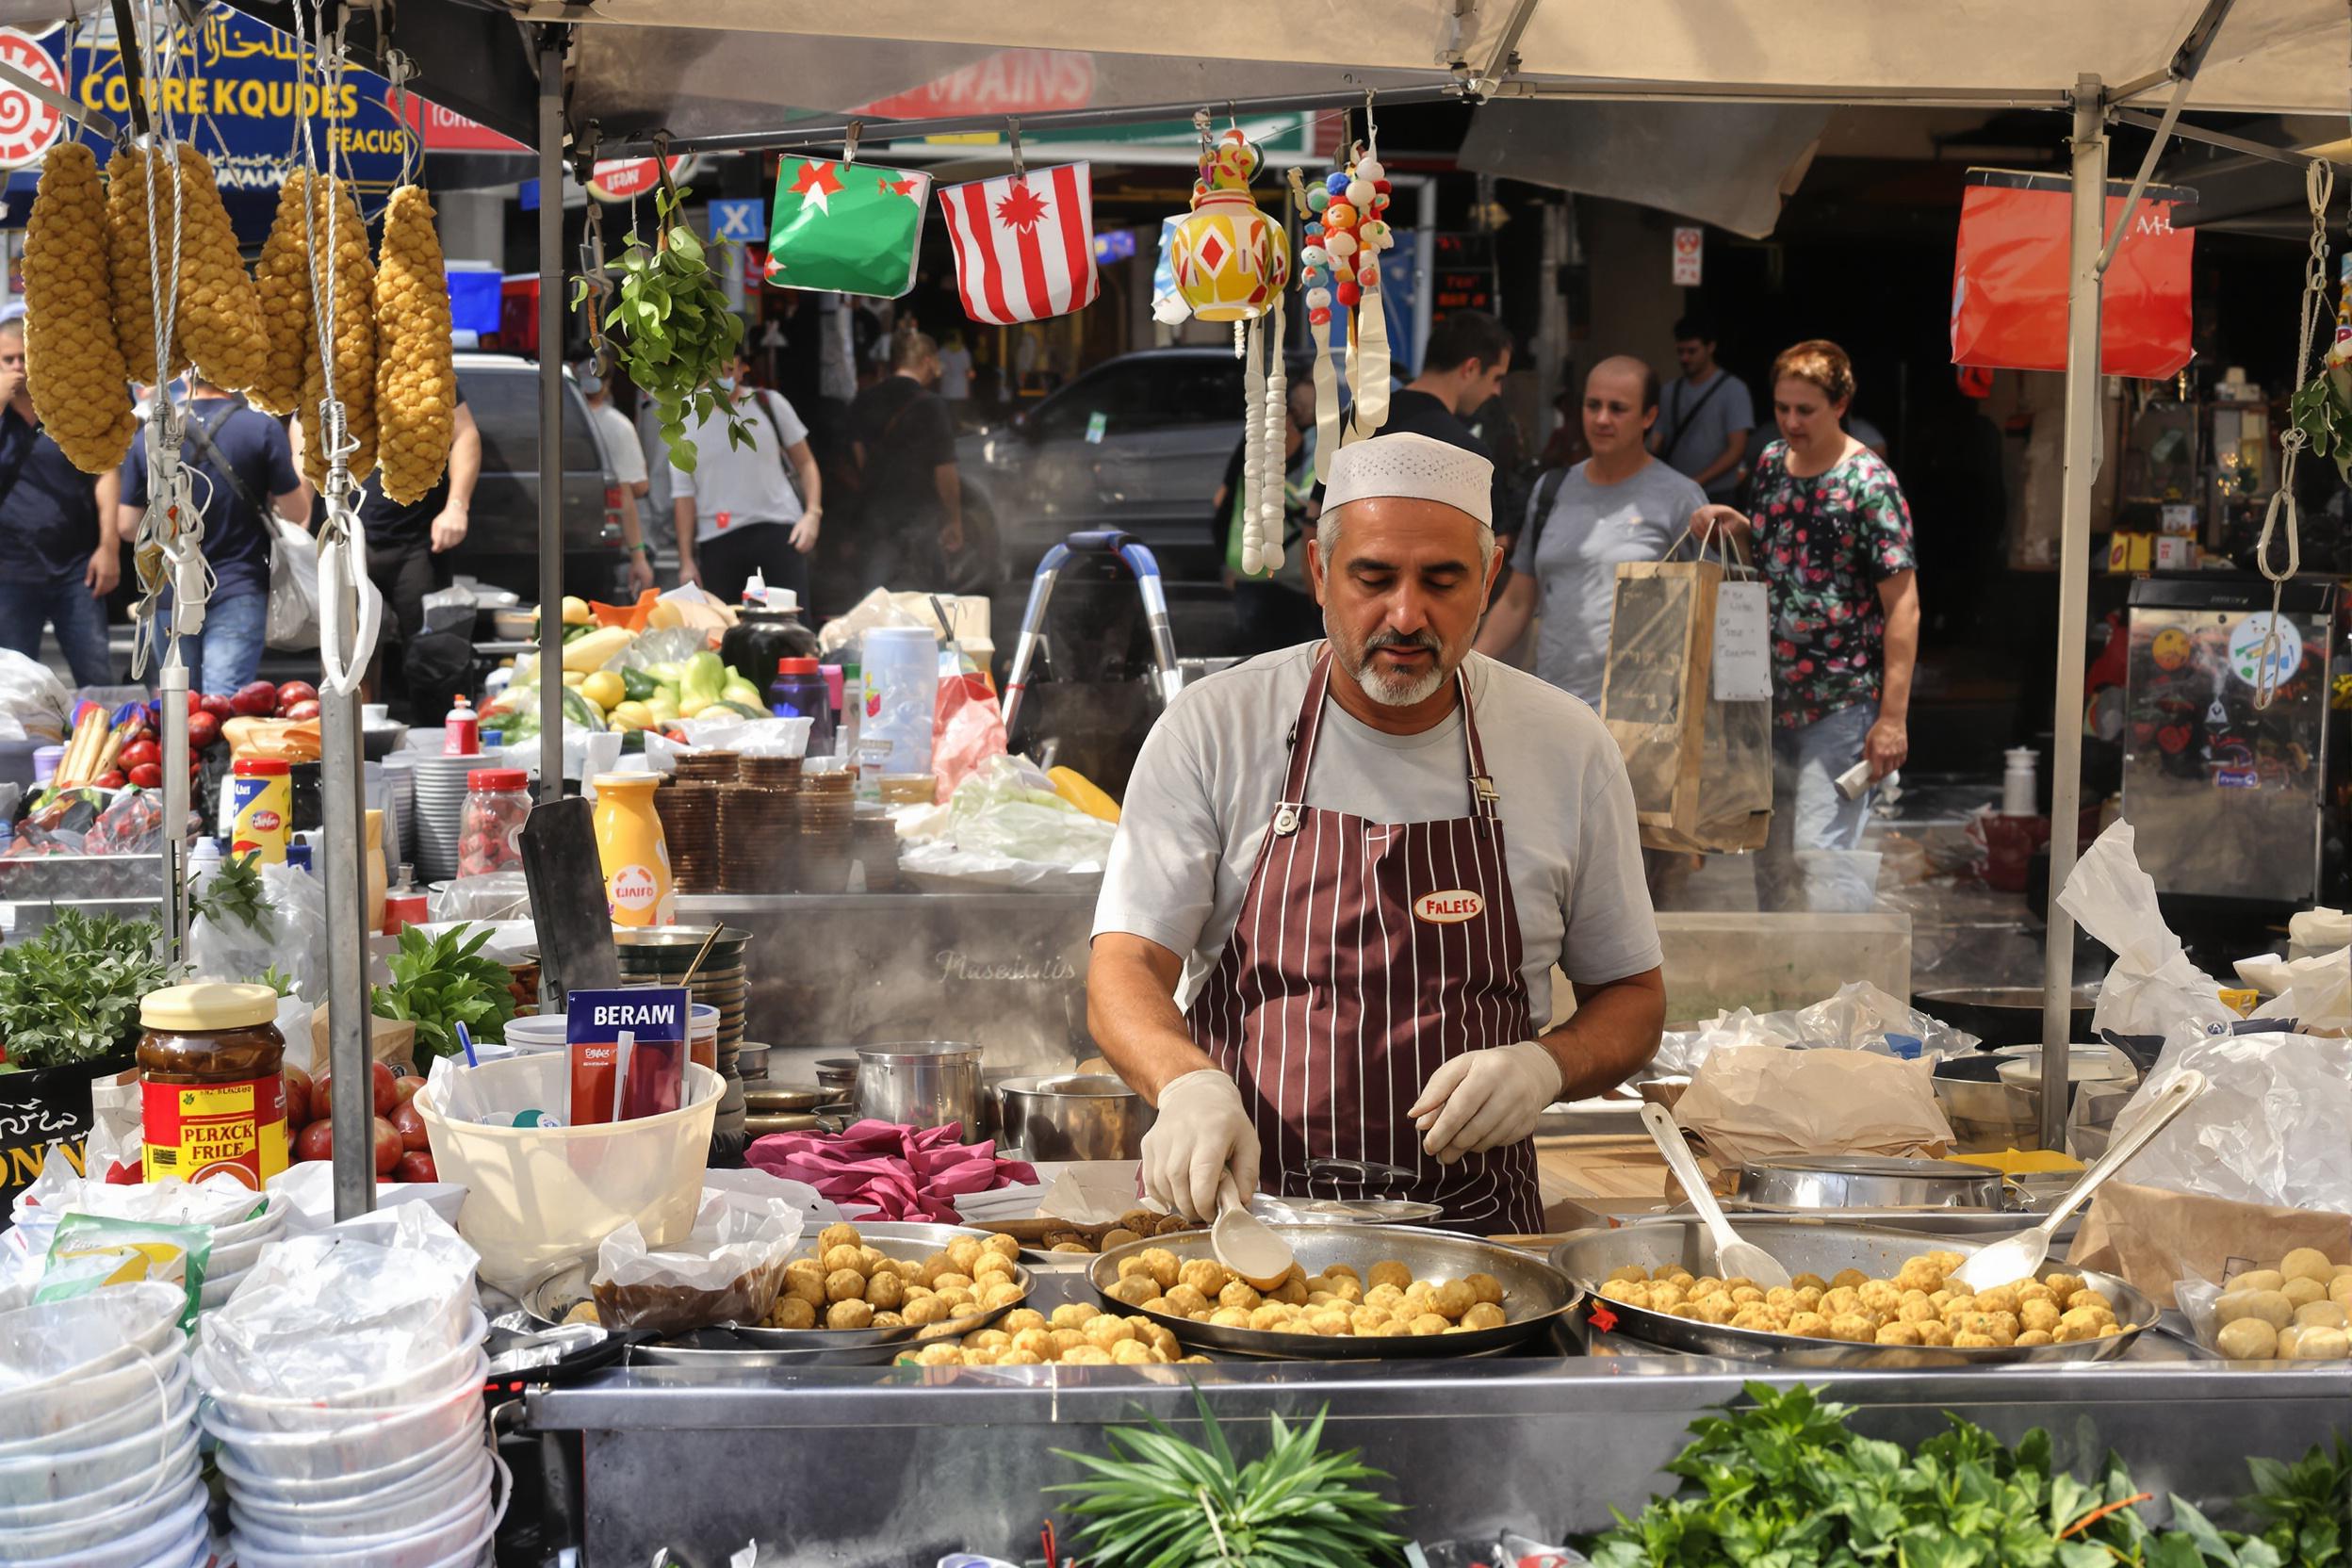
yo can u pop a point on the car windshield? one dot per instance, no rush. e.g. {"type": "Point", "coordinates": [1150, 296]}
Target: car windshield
{"type": "Point", "coordinates": [506, 409]}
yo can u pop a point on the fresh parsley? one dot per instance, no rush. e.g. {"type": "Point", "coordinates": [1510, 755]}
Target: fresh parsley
{"type": "Point", "coordinates": [441, 982]}
{"type": "Point", "coordinates": [71, 992]}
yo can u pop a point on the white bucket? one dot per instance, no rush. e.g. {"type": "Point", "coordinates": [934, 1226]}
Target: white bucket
{"type": "Point", "coordinates": [536, 1197]}
{"type": "Point", "coordinates": [462, 1368]}
{"type": "Point", "coordinates": [384, 1513]}
{"type": "Point", "coordinates": [280, 1493]}
{"type": "Point", "coordinates": [137, 1409]}
{"type": "Point", "coordinates": [368, 1442]}
{"type": "Point", "coordinates": [536, 1032]}
{"type": "Point", "coordinates": [136, 1550]}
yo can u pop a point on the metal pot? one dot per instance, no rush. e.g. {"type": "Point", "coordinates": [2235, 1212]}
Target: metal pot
{"type": "Point", "coordinates": [1869, 1182]}
{"type": "Point", "coordinates": [2005, 1015]}
{"type": "Point", "coordinates": [922, 1084]}
{"type": "Point", "coordinates": [1074, 1116]}
{"type": "Point", "coordinates": [837, 1075]}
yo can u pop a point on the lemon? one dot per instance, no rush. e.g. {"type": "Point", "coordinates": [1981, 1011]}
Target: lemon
{"type": "Point", "coordinates": [576, 611]}
{"type": "Point", "coordinates": [604, 688]}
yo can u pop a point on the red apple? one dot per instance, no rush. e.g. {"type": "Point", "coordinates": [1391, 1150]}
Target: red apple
{"type": "Point", "coordinates": [300, 710]}
{"type": "Point", "coordinates": [388, 1147]}
{"type": "Point", "coordinates": [416, 1165]}
{"type": "Point", "coordinates": [147, 775]}
{"type": "Point", "coordinates": [407, 1087]}
{"type": "Point", "coordinates": [109, 780]}
{"type": "Point", "coordinates": [202, 730]}
{"type": "Point", "coordinates": [412, 1128]}
{"type": "Point", "coordinates": [257, 700]}
{"type": "Point", "coordinates": [219, 707]}
{"type": "Point", "coordinates": [297, 1098]}
{"type": "Point", "coordinates": [293, 693]}
{"type": "Point", "coordinates": [316, 1141]}
{"type": "Point", "coordinates": [387, 1087]}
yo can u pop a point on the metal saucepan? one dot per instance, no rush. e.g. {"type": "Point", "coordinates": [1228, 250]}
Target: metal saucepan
{"type": "Point", "coordinates": [1074, 1116]}
{"type": "Point", "coordinates": [1867, 1182]}
{"type": "Point", "coordinates": [1534, 1293]}
{"type": "Point", "coordinates": [1814, 1247]}
{"type": "Point", "coordinates": [2005, 1015]}
{"type": "Point", "coordinates": [838, 1075]}
{"type": "Point", "coordinates": [922, 1084]}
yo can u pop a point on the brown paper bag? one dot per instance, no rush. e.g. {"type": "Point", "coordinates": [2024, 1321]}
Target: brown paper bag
{"type": "Point", "coordinates": [2152, 1238]}
{"type": "Point", "coordinates": [393, 1041]}
{"type": "Point", "coordinates": [1764, 1102]}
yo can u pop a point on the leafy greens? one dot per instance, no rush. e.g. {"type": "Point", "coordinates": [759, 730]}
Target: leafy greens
{"type": "Point", "coordinates": [69, 993]}
{"type": "Point", "coordinates": [441, 982]}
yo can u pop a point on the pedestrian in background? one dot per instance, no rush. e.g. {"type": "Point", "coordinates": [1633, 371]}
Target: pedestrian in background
{"type": "Point", "coordinates": [58, 555]}
{"type": "Point", "coordinates": [911, 496]}
{"type": "Point", "coordinates": [753, 508]}
{"type": "Point", "coordinates": [626, 459]}
{"type": "Point", "coordinates": [1703, 428]}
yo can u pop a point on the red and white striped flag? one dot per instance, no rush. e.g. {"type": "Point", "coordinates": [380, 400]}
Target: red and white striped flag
{"type": "Point", "coordinates": [1024, 244]}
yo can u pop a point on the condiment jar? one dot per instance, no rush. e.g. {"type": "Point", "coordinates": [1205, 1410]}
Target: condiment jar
{"type": "Point", "coordinates": [490, 836]}
{"type": "Point", "coordinates": [211, 1097]}
{"type": "Point", "coordinates": [631, 851]}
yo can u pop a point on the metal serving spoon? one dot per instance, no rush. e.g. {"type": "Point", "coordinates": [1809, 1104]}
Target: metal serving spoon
{"type": "Point", "coordinates": [1733, 1256]}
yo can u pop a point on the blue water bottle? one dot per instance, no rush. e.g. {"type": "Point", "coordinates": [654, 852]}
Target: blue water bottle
{"type": "Point", "coordinates": [800, 693]}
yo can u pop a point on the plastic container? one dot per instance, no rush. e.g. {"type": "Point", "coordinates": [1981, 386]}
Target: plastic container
{"type": "Point", "coordinates": [532, 1032]}
{"type": "Point", "coordinates": [764, 634]}
{"type": "Point", "coordinates": [95, 1528]}
{"type": "Point", "coordinates": [72, 1473]}
{"type": "Point", "coordinates": [179, 1462]}
{"type": "Point", "coordinates": [405, 905]}
{"type": "Point", "coordinates": [491, 832]}
{"type": "Point", "coordinates": [540, 1196]}
{"type": "Point", "coordinates": [2017, 787]}
{"type": "Point", "coordinates": [406, 1474]}
{"type": "Point", "coordinates": [364, 1442]}
{"type": "Point", "coordinates": [261, 807]}
{"type": "Point", "coordinates": [45, 760]}
{"type": "Point", "coordinates": [429, 1540]}
{"type": "Point", "coordinates": [137, 1549]}
{"type": "Point", "coordinates": [702, 1034]}
{"type": "Point", "coordinates": [62, 1346]}
{"type": "Point", "coordinates": [799, 692]}
{"type": "Point", "coordinates": [422, 1386]}
{"type": "Point", "coordinates": [383, 1512]}
{"type": "Point", "coordinates": [461, 731]}
{"type": "Point", "coordinates": [901, 691]}
{"type": "Point", "coordinates": [59, 1408]}
{"type": "Point", "coordinates": [132, 1414]}
{"type": "Point", "coordinates": [630, 848]}
{"type": "Point", "coordinates": [211, 1098]}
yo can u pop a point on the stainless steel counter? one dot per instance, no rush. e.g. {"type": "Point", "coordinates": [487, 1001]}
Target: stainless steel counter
{"type": "Point", "coordinates": [888, 1468]}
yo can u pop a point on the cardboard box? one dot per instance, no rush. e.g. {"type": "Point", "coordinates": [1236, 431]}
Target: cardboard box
{"type": "Point", "coordinates": [2174, 554]}
{"type": "Point", "coordinates": [2131, 552]}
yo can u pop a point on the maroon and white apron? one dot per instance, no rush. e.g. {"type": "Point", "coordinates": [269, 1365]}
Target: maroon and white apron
{"type": "Point", "coordinates": [1366, 953]}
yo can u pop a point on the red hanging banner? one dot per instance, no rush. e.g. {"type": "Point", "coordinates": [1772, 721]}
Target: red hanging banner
{"type": "Point", "coordinates": [2009, 277]}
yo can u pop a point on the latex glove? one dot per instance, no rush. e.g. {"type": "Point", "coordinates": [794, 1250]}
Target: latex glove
{"type": "Point", "coordinates": [1483, 1100]}
{"type": "Point", "coordinates": [1203, 1137]}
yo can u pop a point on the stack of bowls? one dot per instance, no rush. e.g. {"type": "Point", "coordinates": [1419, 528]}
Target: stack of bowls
{"type": "Point", "coordinates": [236, 1247]}
{"type": "Point", "coordinates": [439, 813]}
{"type": "Point", "coordinates": [759, 839]}
{"type": "Point", "coordinates": [98, 1463]}
{"type": "Point", "coordinates": [770, 772]}
{"type": "Point", "coordinates": [707, 767]}
{"type": "Point", "coordinates": [395, 1471]}
{"type": "Point", "coordinates": [690, 830]}
{"type": "Point", "coordinates": [826, 810]}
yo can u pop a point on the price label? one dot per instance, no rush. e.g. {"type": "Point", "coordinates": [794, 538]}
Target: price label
{"type": "Point", "coordinates": [1742, 666]}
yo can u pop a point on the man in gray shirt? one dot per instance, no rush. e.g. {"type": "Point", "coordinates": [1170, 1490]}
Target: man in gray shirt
{"type": "Point", "coordinates": [1702, 428]}
{"type": "Point", "coordinates": [1620, 504]}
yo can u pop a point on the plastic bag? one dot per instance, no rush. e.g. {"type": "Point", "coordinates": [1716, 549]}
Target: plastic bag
{"type": "Point", "coordinates": [2152, 987]}
{"type": "Point", "coordinates": [292, 619]}
{"type": "Point", "coordinates": [91, 1251]}
{"type": "Point", "coordinates": [31, 694]}
{"type": "Point", "coordinates": [1860, 1017]}
{"type": "Point", "coordinates": [1007, 828]}
{"type": "Point", "coordinates": [878, 608]}
{"type": "Point", "coordinates": [2269, 1127]}
{"type": "Point", "coordinates": [969, 731]}
{"type": "Point", "coordinates": [293, 938]}
{"type": "Point", "coordinates": [498, 895]}
{"type": "Point", "coordinates": [727, 1269]}
{"type": "Point", "coordinates": [132, 824]}
{"type": "Point", "coordinates": [668, 645]}
{"type": "Point", "coordinates": [2314, 993]}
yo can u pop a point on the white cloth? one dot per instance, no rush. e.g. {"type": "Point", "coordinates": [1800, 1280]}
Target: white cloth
{"type": "Point", "coordinates": [1410, 465]}
{"type": "Point", "coordinates": [742, 484]}
{"type": "Point", "coordinates": [618, 438]}
{"type": "Point", "coordinates": [1205, 785]}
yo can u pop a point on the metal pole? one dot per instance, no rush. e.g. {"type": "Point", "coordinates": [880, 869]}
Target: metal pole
{"type": "Point", "coordinates": [171, 697]}
{"type": "Point", "coordinates": [550, 413]}
{"type": "Point", "coordinates": [2083, 441]}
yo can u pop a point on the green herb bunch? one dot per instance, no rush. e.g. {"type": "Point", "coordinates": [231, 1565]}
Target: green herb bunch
{"type": "Point", "coordinates": [441, 982]}
{"type": "Point", "coordinates": [1786, 1484]}
{"type": "Point", "coordinates": [70, 992]}
{"type": "Point", "coordinates": [678, 332]}
{"type": "Point", "coordinates": [1164, 1503]}
{"type": "Point", "coordinates": [2321, 408]}
{"type": "Point", "coordinates": [232, 895]}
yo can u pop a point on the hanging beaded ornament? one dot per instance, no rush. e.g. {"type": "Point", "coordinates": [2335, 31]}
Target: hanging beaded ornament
{"type": "Point", "coordinates": [1344, 220]}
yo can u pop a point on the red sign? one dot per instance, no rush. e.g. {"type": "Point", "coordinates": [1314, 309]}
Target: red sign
{"type": "Point", "coordinates": [1011, 81]}
{"type": "Point", "coordinates": [618, 179]}
{"type": "Point", "coordinates": [448, 131]}
{"type": "Point", "coordinates": [27, 125]}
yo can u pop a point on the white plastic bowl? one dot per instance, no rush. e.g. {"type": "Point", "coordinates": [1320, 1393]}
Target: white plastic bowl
{"type": "Point", "coordinates": [535, 1032]}
{"type": "Point", "coordinates": [178, 1465]}
{"type": "Point", "coordinates": [428, 1541]}
{"type": "Point", "coordinates": [269, 1222]}
{"type": "Point", "coordinates": [56, 1476]}
{"type": "Point", "coordinates": [137, 1409]}
{"type": "Point", "coordinates": [218, 1289]}
{"type": "Point", "coordinates": [416, 1385]}
{"type": "Point", "coordinates": [57, 1344]}
{"type": "Point", "coordinates": [235, 1258]}
{"type": "Point", "coordinates": [194, 1550]}
{"type": "Point", "coordinates": [276, 1491]}
{"type": "Point", "coordinates": [93, 1529]}
{"type": "Point", "coordinates": [368, 1443]}
{"type": "Point", "coordinates": [384, 1513]}
{"type": "Point", "coordinates": [159, 1540]}
{"type": "Point", "coordinates": [52, 1410]}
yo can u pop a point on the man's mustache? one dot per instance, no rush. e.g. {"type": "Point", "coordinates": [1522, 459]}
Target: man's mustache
{"type": "Point", "coordinates": [1429, 640]}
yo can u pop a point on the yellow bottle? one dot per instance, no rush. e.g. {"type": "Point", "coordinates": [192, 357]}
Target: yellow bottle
{"type": "Point", "coordinates": [636, 861]}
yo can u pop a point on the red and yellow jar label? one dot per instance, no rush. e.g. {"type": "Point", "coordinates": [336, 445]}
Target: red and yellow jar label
{"type": "Point", "coordinates": [197, 1129]}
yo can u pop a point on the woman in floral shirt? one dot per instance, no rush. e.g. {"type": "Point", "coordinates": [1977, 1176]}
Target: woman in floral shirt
{"type": "Point", "coordinates": [1832, 533]}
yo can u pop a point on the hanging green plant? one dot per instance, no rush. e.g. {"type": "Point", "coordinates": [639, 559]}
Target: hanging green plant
{"type": "Point", "coordinates": [676, 332]}
{"type": "Point", "coordinates": [2322, 410]}
{"type": "Point", "coordinates": [1164, 1503]}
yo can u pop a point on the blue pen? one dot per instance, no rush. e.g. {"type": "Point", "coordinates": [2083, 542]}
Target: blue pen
{"type": "Point", "coordinates": [467, 1040]}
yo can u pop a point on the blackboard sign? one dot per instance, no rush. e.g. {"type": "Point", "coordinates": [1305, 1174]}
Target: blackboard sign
{"type": "Point", "coordinates": [39, 1108]}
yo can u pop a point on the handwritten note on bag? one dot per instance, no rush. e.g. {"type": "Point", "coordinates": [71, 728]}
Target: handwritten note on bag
{"type": "Point", "coordinates": [1743, 668]}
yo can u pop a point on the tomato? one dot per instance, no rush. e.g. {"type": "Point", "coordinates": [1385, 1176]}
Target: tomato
{"type": "Point", "coordinates": [293, 693]}
{"type": "Point", "coordinates": [388, 1147]}
{"type": "Point", "coordinates": [135, 752]}
{"type": "Point", "coordinates": [412, 1128]}
{"type": "Point", "coordinates": [111, 781]}
{"type": "Point", "coordinates": [219, 707]}
{"type": "Point", "coordinates": [305, 710]}
{"type": "Point", "coordinates": [297, 1098]}
{"type": "Point", "coordinates": [147, 775]}
{"type": "Point", "coordinates": [203, 731]}
{"type": "Point", "coordinates": [387, 1087]}
{"type": "Point", "coordinates": [316, 1141]}
{"type": "Point", "coordinates": [406, 1088]}
{"type": "Point", "coordinates": [414, 1166]}
{"type": "Point", "coordinates": [257, 700]}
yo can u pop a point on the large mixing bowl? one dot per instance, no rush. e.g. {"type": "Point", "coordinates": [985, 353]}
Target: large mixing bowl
{"type": "Point", "coordinates": [1074, 1116]}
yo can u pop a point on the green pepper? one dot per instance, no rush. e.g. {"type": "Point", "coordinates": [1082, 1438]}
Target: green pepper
{"type": "Point", "coordinates": [637, 686]}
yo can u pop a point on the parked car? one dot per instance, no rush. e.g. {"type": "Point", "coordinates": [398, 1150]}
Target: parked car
{"type": "Point", "coordinates": [502, 536]}
{"type": "Point", "coordinates": [1138, 443]}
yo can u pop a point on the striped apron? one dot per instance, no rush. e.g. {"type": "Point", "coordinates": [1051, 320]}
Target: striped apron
{"type": "Point", "coordinates": [1364, 956]}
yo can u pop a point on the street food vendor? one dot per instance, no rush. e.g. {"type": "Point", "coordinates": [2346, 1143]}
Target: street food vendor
{"type": "Point", "coordinates": [1346, 869]}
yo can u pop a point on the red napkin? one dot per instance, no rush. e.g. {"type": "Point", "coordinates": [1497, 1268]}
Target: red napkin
{"type": "Point", "coordinates": [903, 1172]}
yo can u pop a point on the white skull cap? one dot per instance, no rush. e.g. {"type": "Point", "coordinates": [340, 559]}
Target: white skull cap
{"type": "Point", "coordinates": [1419, 466]}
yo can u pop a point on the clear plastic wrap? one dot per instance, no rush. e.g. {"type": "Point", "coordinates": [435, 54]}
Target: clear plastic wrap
{"type": "Point", "coordinates": [727, 1269]}
{"type": "Point", "coordinates": [31, 694]}
{"type": "Point", "coordinates": [2268, 1129]}
{"type": "Point", "coordinates": [498, 896]}
{"type": "Point", "coordinates": [1860, 1017]}
{"type": "Point", "coordinates": [292, 938]}
{"type": "Point", "coordinates": [53, 1343]}
{"type": "Point", "coordinates": [2152, 987]}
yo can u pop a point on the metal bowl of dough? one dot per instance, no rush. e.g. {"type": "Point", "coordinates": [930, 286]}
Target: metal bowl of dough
{"type": "Point", "coordinates": [1867, 1182]}
{"type": "Point", "coordinates": [1535, 1294]}
{"type": "Point", "coordinates": [1811, 1246]}
{"type": "Point", "coordinates": [553, 1297]}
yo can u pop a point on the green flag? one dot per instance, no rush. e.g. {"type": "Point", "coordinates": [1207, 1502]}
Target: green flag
{"type": "Point", "coordinates": [848, 228]}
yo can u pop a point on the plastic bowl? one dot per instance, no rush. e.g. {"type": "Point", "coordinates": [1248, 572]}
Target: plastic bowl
{"type": "Point", "coordinates": [177, 1464]}
{"type": "Point", "coordinates": [92, 1529]}
{"type": "Point", "coordinates": [385, 1513]}
{"type": "Point", "coordinates": [415, 1385]}
{"type": "Point", "coordinates": [159, 1540]}
{"type": "Point", "coordinates": [55, 1478]}
{"type": "Point", "coordinates": [255, 1487]}
{"type": "Point", "coordinates": [537, 1197]}
{"type": "Point", "coordinates": [269, 1225]}
{"type": "Point", "coordinates": [236, 1259]}
{"type": "Point", "coordinates": [366, 1444]}
{"type": "Point", "coordinates": [56, 1344]}
{"type": "Point", "coordinates": [51, 1410]}
{"type": "Point", "coordinates": [428, 1541]}
{"type": "Point", "coordinates": [532, 1032]}
{"type": "Point", "coordinates": [302, 1417]}
{"type": "Point", "coordinates": [136, 1410]}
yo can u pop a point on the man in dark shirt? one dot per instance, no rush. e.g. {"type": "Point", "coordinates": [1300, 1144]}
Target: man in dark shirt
{"type": "Point", "coordinates": [244, 456]}
{"type": "Point", "coordinates": [58, 556]}
{"type": "Point", "coordinates": [911, 503]}
{"type": "Point", "coordinates": [1461, 371]}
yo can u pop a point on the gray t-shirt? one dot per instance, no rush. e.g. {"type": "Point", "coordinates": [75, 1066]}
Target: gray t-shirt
{"type": "Point", "coordinates": [1592, 528]}
{"type": "Point", "coordinates": [1206, 784]}
{"type": "Point", "coordinates": [1697, 433]}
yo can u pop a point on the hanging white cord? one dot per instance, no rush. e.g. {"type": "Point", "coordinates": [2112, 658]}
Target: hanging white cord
{"type": "Point", "coordinates": [2319, 179]}
{"type": "Point", "coordinates": [171, 531]}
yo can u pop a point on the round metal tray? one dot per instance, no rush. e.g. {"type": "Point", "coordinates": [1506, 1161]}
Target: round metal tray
{"type": "Point", "coordinates": [1824, 1248]}
{"type": "Point", "coordinates": [556, 1293]}
{"type": "Point", "coordinates": [1534, 1293]}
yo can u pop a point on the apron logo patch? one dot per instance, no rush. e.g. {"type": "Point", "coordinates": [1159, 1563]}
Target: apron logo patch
{"type": "Point", "coordinates": [1450, 907]}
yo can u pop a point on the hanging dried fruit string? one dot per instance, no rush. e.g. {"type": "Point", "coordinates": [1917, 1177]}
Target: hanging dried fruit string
{"type": "Point", "coordinates": [415, 364]}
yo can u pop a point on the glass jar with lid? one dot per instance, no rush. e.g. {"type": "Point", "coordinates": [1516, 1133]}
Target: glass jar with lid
{"type": "Point", "coordinates": [212, 1094]}
{"type": "Point", "coordinates": [490, 833]}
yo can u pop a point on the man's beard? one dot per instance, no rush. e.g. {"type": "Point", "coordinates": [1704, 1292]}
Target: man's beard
{"type": "Point", "coordinates": [1397, 690]}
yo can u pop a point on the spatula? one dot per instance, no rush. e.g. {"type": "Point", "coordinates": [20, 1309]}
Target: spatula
{"type": "Point", "coordinates": [1732, 1257]}
{"type": "Point", "coordinates": [2017, 1257]}
{"type": "Point", "coordinates": [1243, 1243]}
